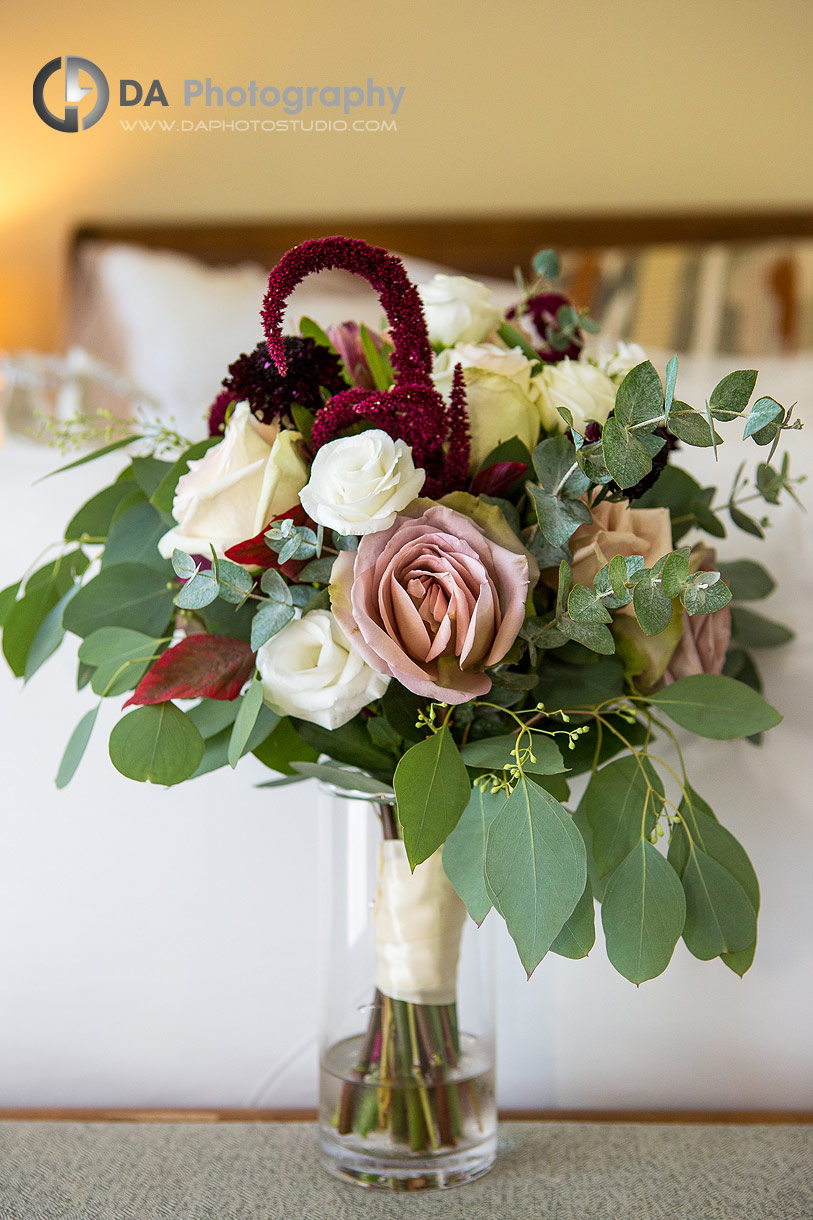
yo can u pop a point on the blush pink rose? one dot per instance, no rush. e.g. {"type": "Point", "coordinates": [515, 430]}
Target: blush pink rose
{"type": "Point", "coordinates": [432, 601]}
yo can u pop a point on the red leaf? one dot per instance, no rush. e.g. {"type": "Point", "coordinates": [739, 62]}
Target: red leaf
{"type": "Point", "coordinates": [497, 478]}
{"type": "Point", "coordinates": [255, 552]}
{"type": "Point", "coordinates": [212, 665]}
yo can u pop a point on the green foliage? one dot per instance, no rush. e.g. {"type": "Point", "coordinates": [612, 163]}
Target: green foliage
{"type": "Point", "coordinates": [712, 705]}
{"type": "Point", "coordinates": [558, 518]}
{"type": "Point", "coordinates": [433, 788]}
{"type": "Point", "coordinates": [465, 849]}
{"type": "Point", "coordinates": [378, 361]}
{"type": "Point", "coordinates": [42, 591]}
{"type": "Point", "coordinates": [125, 595]}
{"type": "Point", "coordinates": [348, 779]}
{"type": "Point", "coordinates": [134, 538]}
{"type": "Point", "coordinates": [75, 749]}
{"type": "Point", "coordinates": [535, 869]}
{"type": "Point", "coordinates": [640, 396]}
{"type": "Point", "coordinates": [94, 519]}
{"type": "Point", "coordinates": [216, 753]}
{"type": "Point", "coordinates": [764, 420]}
{"type": "Point", "coordinates": [578, 934]}
{"type": "Point", "coordinates": [729, 398]}
{"type": "Point", "coordinates": [690, 426]}
{"type": "Point", "coordinates": [495, 753]}
{"type": "Point", "coordinates": [621, 804]}
{"type": "Point", "coordinates": [643, 913]}
{"type": "Point", "coordinates": [350, 743]}
{"type": "Point", "coordinates": [157, 745]}
{"type": "Point", "coordinates": [244, 722]}
{"type": "Point", "coordinates": [747, 580]}
{"type": "Point", "coordinates": [753, 630]}
{"type": "Point", "coordinates": [625, 455]}
{"type": "Point", "coordinates": [283, 747]}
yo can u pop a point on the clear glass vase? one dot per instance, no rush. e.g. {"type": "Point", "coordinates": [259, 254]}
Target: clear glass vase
{"type": "Point", "coordinates": [406, 1094]}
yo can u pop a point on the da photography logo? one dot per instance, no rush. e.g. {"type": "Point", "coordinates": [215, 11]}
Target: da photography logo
{"type": "Point", "coordinates": [68, 120]}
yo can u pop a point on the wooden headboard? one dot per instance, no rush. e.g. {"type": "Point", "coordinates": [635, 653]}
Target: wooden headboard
{"type": "Point", "coordinates": [484, 246]}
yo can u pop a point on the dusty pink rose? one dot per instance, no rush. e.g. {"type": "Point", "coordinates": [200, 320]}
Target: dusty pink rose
{"type": "Point", "coordinates": [704, 643]}
{"type": "Point", "coordinates": [433, 600]}
{"type": "Point", "coordinates": [617, 529]}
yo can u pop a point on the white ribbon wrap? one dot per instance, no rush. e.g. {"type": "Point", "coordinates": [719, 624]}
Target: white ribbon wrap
{"type": "Point", "coordinates": [418, 924]}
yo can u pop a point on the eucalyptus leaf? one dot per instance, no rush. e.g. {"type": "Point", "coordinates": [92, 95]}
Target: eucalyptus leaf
{"type": "Point", "coordinates": [729, 398]}
{"type": "Point", "coordinates": [621, 804]}
{"type": "Point", "coordinates": [465, 848]}
{"type": "Point", "coordinates": [558, 519]}
{"type": "Point", "coordinates": [156, 744]}
{"type": "Point", "coordinates": [578, 934]}
{"type": "Point", "coordinates": [345, 778]}
{"type": "Point", "coordinates": [246, 718]}
{"type": "Point", "coordinates": [690, 426]}
{"type": "Point", "coordinates": [712, 705]}
{"type": "Point", "coordinates": [535, 869]}
{"type": "Point", "coordinates": [75, 749]}
{"type": "Point", "coordinates": [764, 418]}
{"type": "Point", "coordinates": [639, 397]}
{"type": "Point", "coordinates": [747, 580]}
{"type": "Point", "coordinates": [626, 456]}
{"type": "Point", "coordinates": [753, 630]}
{"type": "Point", "coordinates": [433, 788]}
{"type": "Point", "coordinates": [494, 754]}
{"type": "Point", "coordinates": [643, 914]}
{"type": "Point", "coordinates": [270, 618]}
{"type": "Point", "coordinates": [125, 595]}
{"type": "Point", "coordinates": [198, 592]}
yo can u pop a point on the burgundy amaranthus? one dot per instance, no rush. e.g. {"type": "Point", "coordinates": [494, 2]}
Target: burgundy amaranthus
{"type": "Point", "coordinates": [255, 379]}
{"type": "Point", "coordinates": [412, 409]}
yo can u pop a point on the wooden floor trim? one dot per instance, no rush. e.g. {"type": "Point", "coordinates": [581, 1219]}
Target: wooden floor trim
{"type": "Point", "coordinates": [232, 1115]}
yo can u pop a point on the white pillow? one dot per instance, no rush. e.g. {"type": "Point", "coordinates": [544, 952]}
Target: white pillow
{"type": "Point", "coordinates": [173, 324]}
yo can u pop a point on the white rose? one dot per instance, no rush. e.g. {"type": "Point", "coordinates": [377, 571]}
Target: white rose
{"type": "Point", "coordinates": [616, 363]}
{"type": "Point", "coordinates": [500, 395]}
{"type": "Point", "coordinates": [586, 391]}
{"type": "Point", "coordinates": [236, 488]}
{"type": "Point", "coordinates": [310, 669]}
{"type": "Point", "coordinates": [359, 484]}
{"type": "Point", "coordinates": [458, 310]}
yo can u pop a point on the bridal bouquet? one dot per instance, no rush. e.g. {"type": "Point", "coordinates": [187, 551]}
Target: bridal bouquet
{"type": "Point", "coordinates": [444, 565]}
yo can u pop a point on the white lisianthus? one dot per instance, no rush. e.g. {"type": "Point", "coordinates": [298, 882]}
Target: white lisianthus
{"type": "Point", "coordinates": [238, 487]}
{"type": "Point", "coordinates": [359, 484]}
{"type": "Point", "coordinates": [310, 669]}
{"type": "Point", "coordinates": [618, 361]}
{"type": "Point", "coordinates": [458, 310]}
{"type": "Point", "coordinates": [500, 395]}
{"type": "Point", "coordinates": [586, 391]}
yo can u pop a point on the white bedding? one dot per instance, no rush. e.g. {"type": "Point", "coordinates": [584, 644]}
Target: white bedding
{"type": "Point", "coordinates": [156, 947]}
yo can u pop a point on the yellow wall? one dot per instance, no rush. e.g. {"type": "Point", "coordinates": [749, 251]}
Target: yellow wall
{"type": "Point", "coordinates": [508, 107]}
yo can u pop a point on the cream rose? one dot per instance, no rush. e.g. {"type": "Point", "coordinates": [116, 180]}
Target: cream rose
{"type": "Point", "coordinates": [617, 529]}
{"type": "Point", "coordinates": [458, 310]}
{"type": "Point", "coordinates": [309, 669]}
{"type": "Point", "coordinates": [586, 391]}
{"type": "Point", "coordinates": [500, 395]}
{"type": "Point", "coordinates": [358, 484]}
{"type": "Point", "coordinates": [237, 488]}
{"type": "Point", "coordinates": [619, 361]}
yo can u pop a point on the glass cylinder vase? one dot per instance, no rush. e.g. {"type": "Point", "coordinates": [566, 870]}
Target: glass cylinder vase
{"type": "Point", "coordinates": [406, 1094]}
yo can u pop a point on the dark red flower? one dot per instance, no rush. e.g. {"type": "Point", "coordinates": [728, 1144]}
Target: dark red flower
{"type": "Point", "coordinates": [412, 409]}
{"type": "Point", "coordinates": [542, 312]}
